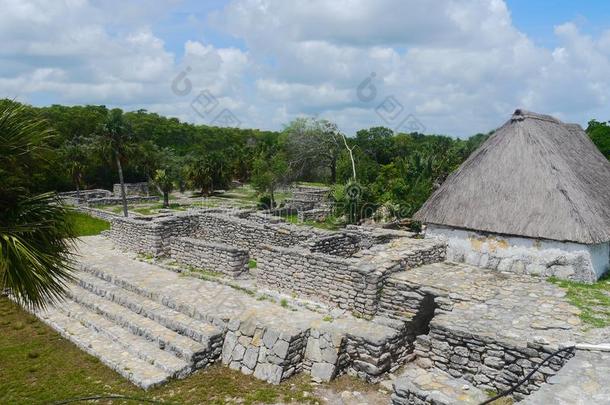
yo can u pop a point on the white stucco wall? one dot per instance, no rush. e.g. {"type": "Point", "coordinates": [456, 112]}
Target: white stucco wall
{"type": "Point", "coordinates": [566, 260]}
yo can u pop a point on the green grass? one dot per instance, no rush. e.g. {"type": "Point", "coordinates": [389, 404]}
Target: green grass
{"type": "Point", "coordinates": [312, 184]}
{"type": "Point", "coordinates": [284, 302]}
{"type": "Point", "coordinates": [592, 299]}
{"type": "Point", "coordinates": [154, 209]}
{"type": "Point", "coordinates": [329, 223]}
{"type": "Point", "coordinates": [86, 225]}
{"type": "Point", "coordinates": [37, 366]}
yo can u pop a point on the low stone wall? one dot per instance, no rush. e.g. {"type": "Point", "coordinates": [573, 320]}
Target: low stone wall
{"type": "Point", "coordinates": [250, 235]}
{"type": "Point", "coordinates": [119, 200]}
{"type": "Point", "coordinates": [336, 244]}
{"type": "Point", "coordinates": [314, 214]}
{"type": "Point", "coordinates": [150, 235]}
{"type": "Point", "coordinates": [72, 197]}
{"type": "Point", "coordinates": [545, 258]}
{"type": "Point", "coordinates": [335, 280]}
{"type": "Point", "coordinates": [131, 189]}
{"type": "Point", "coordinates": [486, 363]}
{"type": "Point", "coordinates": [210, 256]}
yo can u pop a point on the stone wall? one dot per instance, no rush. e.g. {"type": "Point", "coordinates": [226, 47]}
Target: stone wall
{"type": "Point", "coordinates": [210, 256]}
{"type": "Point", "coordinates": [269, 354]}
{"type": "Point", "coordinates": [150, 235]}
{"type": "Point", "coordinates": [336, 244]}
{"type": "Point", "coordinates": [131, 189]}
{"type": "Point", "coordinates": [314, 214]}
{"type": "Point", "coordinates": [72, 197]}
{"type": "Point", "coordinates": [248, 234]}
{"type": "Point", "coordinates": [335, 280]}
{"type": "Point", "coordinates": [545, 258]}
{"type": "Point", "coordinates": [486, 363]}
{"type": "Point", "coordinates": [119, 200]}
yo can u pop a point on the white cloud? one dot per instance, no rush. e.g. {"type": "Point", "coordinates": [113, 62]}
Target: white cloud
{"type": "Point", "coordinates": [459, 66]}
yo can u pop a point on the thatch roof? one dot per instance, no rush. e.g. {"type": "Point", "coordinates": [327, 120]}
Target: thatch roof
{"type": "Point", "coordinates": [535, 177]}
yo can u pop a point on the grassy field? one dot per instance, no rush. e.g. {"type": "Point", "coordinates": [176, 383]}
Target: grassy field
{"type": "Point", "coordinates": [592, 299]}
{"type": "Point", "coordinates": [86, 225]}
{"type": "Point", "coordinates": [37, 366]}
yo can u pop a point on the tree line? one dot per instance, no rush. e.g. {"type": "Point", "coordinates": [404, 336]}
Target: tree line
{"type": "Point", "coordinates": [48, 149]}
{"type": "Point", "coordinates": [390, 173]}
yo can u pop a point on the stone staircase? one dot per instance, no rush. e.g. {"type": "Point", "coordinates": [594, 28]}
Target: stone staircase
{"type": "Point", "coordinates": [143, 340]}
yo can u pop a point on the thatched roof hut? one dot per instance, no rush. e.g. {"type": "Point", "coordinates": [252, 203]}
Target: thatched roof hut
{"type": "Point", "coordinates": [535, 177]}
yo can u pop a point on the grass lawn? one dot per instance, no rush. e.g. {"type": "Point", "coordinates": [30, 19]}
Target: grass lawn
{"type": "Point", "coordinates": [87, 225]}
{"type": "Point", "coordinates": [592, 299]}
{"type": "Point", "coordinates": [37, 366]}
{"type": "Point", "coordinates": [328, 224]}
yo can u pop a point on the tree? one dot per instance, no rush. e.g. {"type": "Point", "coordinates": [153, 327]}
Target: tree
{"type": "Point", "coordinates": [312, 143]}
{"type": "Point", "coordinates": [164, 180]}
{"type": "Point", "coordinates": [207, 172]}
{"type": "Point", "coordinates": [75, 155]}
{"type": "Point", "coordinates": [599, 132]}
{"type": "Point", "coordinates": [269, 171]}
{"type": "Point", "coordinates": [115, 137]}
{"type": "Point", "coordinates": [35, 233]}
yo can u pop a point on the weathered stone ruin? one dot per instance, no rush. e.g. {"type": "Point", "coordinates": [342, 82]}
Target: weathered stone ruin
{"type": "Point", "coordinates": [367, 301]}
{"type": "Point", "coordinates": [131, 189]}
{"type": "Point", "coordinates": [135, 193]}
{"type": "Point", "coordinates": [310, 203]}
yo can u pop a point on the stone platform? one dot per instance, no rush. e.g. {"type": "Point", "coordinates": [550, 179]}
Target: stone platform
{"type": "Point", "coordinates": [151, 324]}
{"type": "Point", "coordinates": [584, 380]}
{"type": "Point", "coordinates": [489, 328]}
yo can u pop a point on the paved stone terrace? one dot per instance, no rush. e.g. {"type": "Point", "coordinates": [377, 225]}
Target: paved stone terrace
{"type": "Point", "coordinates": [501, 306]}
{"type": "Point", "coordinates": [585, 380]}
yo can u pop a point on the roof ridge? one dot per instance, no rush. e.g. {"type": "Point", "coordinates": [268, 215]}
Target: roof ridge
{"type": "Point", "coordinates": [521, 114]}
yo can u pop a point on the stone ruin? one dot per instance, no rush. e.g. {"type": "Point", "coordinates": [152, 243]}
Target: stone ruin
{"type": "Point", "coordinates": [132, 189]}
{"type": "Point", "coordinates": [368, 302]}
{"type": "Point", "coordinates": [135, 192]}
{"type": "Point", "coordinates": [310, 203]}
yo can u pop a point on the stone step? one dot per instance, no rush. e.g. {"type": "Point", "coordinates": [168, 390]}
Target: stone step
{"type": "Point", "coordinates": [139, 347]}
{"type": "Point", "coordinates": [142, 288]}
{"type": "Point", "coordinates": [113, 355]}
{"type": "Point", "coordinates": [417, 385]}
{"type": "Point", "coordinates": [188, 349]}
{"type": "Point", "coordinates": [202, 332]}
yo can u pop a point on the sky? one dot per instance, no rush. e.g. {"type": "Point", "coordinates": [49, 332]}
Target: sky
{"type": "Point", "coordinates": [454, 67]}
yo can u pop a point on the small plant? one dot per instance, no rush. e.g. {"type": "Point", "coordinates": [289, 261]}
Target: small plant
{"type": "Point", "coordinates": [284, 302]}
{"type": "Point", "coordinates": [252, 264]}
{"type": "Point", "coordinates": [328, 318]}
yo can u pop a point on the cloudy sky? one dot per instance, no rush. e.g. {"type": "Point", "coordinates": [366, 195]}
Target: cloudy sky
{"type": "Point", "coordinates": [456, 67]}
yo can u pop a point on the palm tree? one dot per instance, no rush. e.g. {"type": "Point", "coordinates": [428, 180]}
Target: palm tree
{"type": "Point", "coordinates": [116, 136]}
{"type": "Point", "coordinates": [36, 236]}
{"type": "Point", "coordinates": [164, 180]}
{"type": "Point", "coordinates": [75, 155]}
